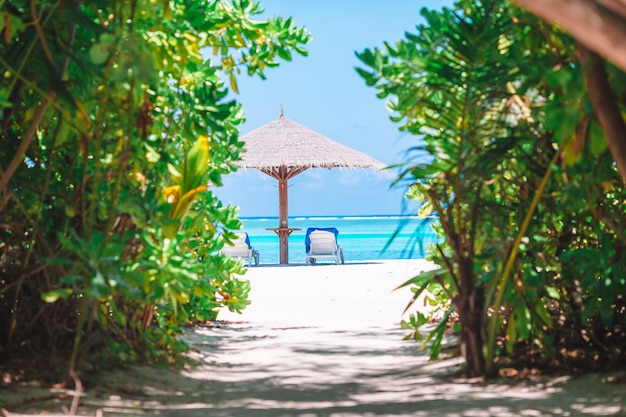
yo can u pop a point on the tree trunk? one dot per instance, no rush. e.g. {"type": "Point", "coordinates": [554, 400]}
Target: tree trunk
{"type": "Point", "coordinates": [470, 303]}
{"type": "Point", "coordinates": [605, 105]}
{"type": "Point", "coordinates": [471, 312]}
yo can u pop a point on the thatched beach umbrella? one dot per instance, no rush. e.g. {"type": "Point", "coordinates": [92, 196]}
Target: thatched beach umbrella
{"type": "Point", "coordinates": [283, 149]}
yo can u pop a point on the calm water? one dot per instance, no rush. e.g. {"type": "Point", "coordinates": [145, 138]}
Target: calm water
{"type": "Point", "coordinates": [362, 238]}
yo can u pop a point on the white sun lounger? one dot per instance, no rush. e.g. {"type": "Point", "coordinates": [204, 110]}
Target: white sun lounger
{"type": "Point", "coordinates": [323, 244]}
{"type": "Point", "coordinates": [242, 248]}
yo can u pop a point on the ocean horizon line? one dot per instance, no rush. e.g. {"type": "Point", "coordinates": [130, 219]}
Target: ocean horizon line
{"type": "Point", "coordinates": [342, 217]}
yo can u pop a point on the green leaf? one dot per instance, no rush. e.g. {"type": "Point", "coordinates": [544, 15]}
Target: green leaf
{"type": "Point", "coordinates": [423, 278]}
{"type": "Point", "coordinates": [597, 140]}
{"type": "Point", "coordinates": [196, 165]}
{"type": "Point", "coordinates": [58, 261]}
{"type": "Point", "coordinates": [54, 295]}
{"type": "Point", "coordinates": [233, 83]}
{"type": "Point", "coordinates": [553, 293]}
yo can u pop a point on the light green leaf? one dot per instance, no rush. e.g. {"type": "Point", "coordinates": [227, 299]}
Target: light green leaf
{"type": "Point", "coordinates": [99, 53]}
{"type": "Point", "coordinates": [553, 293]}
{"type": "Point", "coordinates": [54, 295]}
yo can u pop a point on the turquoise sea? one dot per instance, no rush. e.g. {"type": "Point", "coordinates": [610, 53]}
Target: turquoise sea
{"type": "Point", "coordinates": [361, 237]}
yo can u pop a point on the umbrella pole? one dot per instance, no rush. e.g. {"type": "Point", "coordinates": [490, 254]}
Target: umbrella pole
{"type": "Point", "coordinates": [283, 220]}
{"type": "Point", "coordinates": [283, 230]}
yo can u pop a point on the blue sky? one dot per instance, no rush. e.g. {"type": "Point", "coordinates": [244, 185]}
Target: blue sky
{"type": "Point", "coordinates": [324, 92]}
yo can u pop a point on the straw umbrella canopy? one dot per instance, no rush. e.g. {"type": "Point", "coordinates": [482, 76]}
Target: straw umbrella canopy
{"type": "Point", "coordinates": [283, 149]}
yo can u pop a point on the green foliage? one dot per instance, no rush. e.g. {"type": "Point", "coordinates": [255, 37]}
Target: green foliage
{"type": "Point", "coordinates": [511, 158]}
{"type": "Point", "coordinates": [449, 86]}
{"type": "Point", "coordinates": [115, 125]}
{"type": "Point", "coordinates": [432, 288]}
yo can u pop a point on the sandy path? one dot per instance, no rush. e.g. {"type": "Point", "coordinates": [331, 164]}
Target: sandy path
{"type": "Point", "coordinates": [323, 340]}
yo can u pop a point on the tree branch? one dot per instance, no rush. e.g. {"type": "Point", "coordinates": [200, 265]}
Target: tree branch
{"type": "Point", "coordinates": [40, 34]}
{"type": "Point", "coordinates": [605, 105]}
{"type": "Point", "coordinates": [29, 134]}
{"type": "Point", "coordinates": [449, 267]}
{"type": "Point", "coordinates": [598, 24]}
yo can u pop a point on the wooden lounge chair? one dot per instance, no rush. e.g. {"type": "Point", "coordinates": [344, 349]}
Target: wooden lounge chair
{"type": "Point", "coordinates": [322, 243]}
{"type": "Point", "coordinates": [241, 248]}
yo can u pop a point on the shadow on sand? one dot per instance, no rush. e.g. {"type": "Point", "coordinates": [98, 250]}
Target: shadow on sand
{"type": "Point", "coordinates": [258, 371]}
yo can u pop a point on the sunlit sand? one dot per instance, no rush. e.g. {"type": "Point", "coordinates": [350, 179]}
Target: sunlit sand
{"type": "Point", "coordinates": [355, 295]}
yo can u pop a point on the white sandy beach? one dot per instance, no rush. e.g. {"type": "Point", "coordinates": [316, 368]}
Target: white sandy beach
{"type": "Point", "coordinates": [355, 295]}
{"type": "Point", "coordinates": [323, 341]}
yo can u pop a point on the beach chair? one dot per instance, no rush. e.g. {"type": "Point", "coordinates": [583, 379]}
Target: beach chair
{"type": "Point", "coordinates": [322, 243]}
{"type": "Point", "coordinates": [241, 248]}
